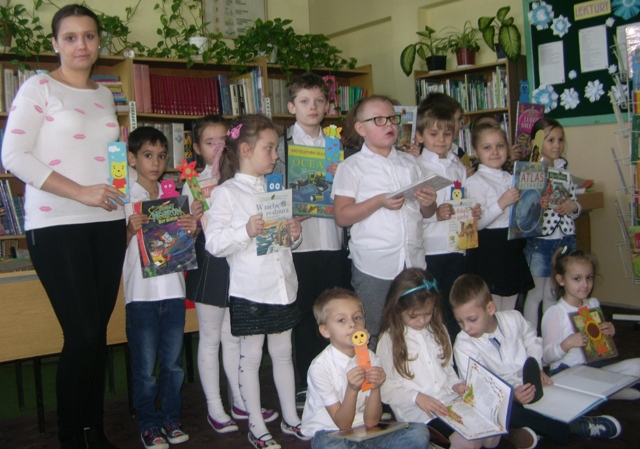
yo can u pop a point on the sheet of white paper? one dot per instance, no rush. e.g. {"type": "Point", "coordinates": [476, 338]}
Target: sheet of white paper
{"type": "Point", "coordinates": [551, 63]}
{"type": "Point", "coordinates": [593, 48]}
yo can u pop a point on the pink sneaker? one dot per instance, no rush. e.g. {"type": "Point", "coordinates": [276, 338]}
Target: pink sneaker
{"type": "Point", "coordinates": [267, 414]}
{"type": "Point", "coordinates": [222, 427]}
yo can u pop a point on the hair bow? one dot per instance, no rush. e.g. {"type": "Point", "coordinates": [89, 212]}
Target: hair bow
{"type": "Point", "coordinates": [426, 285]}
{"type": "Point", "coordinates": [234, 133]}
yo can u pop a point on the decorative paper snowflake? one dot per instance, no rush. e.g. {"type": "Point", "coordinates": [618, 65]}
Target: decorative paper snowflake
{"type": "Point", "coordinates": [573, 75]}
{"type": "Point", "coordinates": [625, 9]}
{"type": "Point", "coordinates": [613, 69]}
{"type": "Point", "coordinates": [540, 15]}
{"type": "Point", "coordinates": [569, 99]}
{"type": "Point", "coordinates": [594, 90]}
{"type": "Point", "coordinates": [560, 25]}
{"type": "Point", "coordinates": [610, 21]}
{"type": "Point", "coordinates": [545, 95]}
{"type": "Point", "coordinates": [620, 94]}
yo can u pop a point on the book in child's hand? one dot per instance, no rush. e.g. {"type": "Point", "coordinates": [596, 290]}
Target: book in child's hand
{"type": "Point", "coordinates": [599, 346]}
{"type": "Point", "coordinates": [485, 409]}
{"type": "Point", "coordinates": [558, 186]}
{"type": "Point", "coordinates": [362, 433]}
{"type": "Point", "coordinates": [407, 127]}
{"type": "Point", "coordinates": [433, 182]}
{"type": "Point", "coordinates": [526, 216]}
{"type": "Point", "coordinates": [462, 227]}
{"type": "Point", "coordinates": [527, 115]}
{"type": "Point", "coordinates": [276, 208]}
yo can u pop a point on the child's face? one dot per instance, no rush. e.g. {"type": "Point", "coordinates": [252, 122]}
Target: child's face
{"type": "Point", "coordinates": [437, 140]}
{"type": "Point", "coordinates": [577, 281]}
{"type": "Point", "coordinates": [309, 106]}
{"type": "Point", "coordinates": [149, 162]}
{"type": "Point", "coordinates": [344, 317]}
{"type": "Point", "coordinates": [261, 159]}
{"type": "Point", "coordinates": [379, 139]}
{"type": "Point", "coordinates": [492, 149]}
{"type": "Point", "coordinates": [418, 318]}
{"type": "Point", "coordinates": [553, 144]}
{"type": "Point", "coordinates": [211, 139]}
{"type": "Point", "coordinates": [476, 320]}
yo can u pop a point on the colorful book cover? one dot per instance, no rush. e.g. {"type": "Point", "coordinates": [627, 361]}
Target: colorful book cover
{"type": "Point", "coordinates": [526, 216]}
{"type": "Point", "coordinates": [307, 177]}
{"type": "Point", "coordinates": [118, 168]}
{"type": "Point", "coordinates": [635, 138]}
{"type": "Point", "coordinates": [276, 208]}
{"type": "Point", "coordinates": [164, 246]}
{"type": "Point", "coordinates": [600, 346]}
{"type": "Point", "coordinates": [527, 115]}
{"type": "Point", "coordinates": [634, 242]}
{"type": "Point", "coordinates": [407, 127]}
{"type": "Point", "coordinates": [558, 186]}
{"type": "Point", "coordinates": [462, 227]}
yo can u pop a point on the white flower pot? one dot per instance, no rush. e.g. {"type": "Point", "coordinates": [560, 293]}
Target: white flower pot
{"type": "Point", "coordinates": [199, 41]}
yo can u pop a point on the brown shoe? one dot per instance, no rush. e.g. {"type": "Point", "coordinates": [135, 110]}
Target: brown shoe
{"type": "Point", "coordinates": [523, 438]}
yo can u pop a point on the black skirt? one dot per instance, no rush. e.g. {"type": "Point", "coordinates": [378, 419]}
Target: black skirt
{"type": "Point", "coordinates": [500, 262]}
{"type": "Point", "coordinates": [209, 284]}
{"type": "Point", "coordinates": [254, 318]}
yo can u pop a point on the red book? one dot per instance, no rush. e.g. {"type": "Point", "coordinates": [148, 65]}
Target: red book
{"type": "Point", "coordinates": [137, 87]}
{"type": "Point", "coordinates": [146, 89]}
{"type": "Point", "coordinates": [527, 115]}
{"type": "Point", "coordinates": [213, 83]}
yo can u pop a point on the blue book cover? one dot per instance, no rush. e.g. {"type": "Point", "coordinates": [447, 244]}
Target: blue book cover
{"type": "Point", "coordinates": [526, 216]}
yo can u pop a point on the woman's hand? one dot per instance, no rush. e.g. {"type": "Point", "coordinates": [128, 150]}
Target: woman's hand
{"type": "Point", "coordinates": [100, 195]}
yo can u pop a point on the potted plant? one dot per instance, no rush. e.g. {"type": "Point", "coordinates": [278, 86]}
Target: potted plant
{"type": "Point", "coordinates": [509, 40]}
{"type": "Point", "coordinates": [432, 50]}
{"type": "Point", "coordinates": [27, 36]}
{"type": "Point", "coordinates": [464, 43]}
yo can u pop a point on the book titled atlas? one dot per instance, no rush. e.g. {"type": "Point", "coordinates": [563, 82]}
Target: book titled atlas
{"type": "Point", "coordinates": [558, 186]}
{"type": "Point", "coordinates": [599, 346]}
{"type": "Point", "coordinates": [462, 227]}
{"type": "Point", "coordinates": [526, 216]}
{"type": "Point", "coordinates": [164, 246]}
{"type": "Point", "coordinates": [276, 208]}
{"type": "Point", "coordinates": [528, 114]}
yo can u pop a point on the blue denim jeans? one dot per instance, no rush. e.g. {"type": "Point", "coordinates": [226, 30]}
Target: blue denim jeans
{"type": "Point", "coordinates": [538, 253]}
{"type": "Point", "coordinates": [155, 330]}
{"type": "Point", "coordinates": [416, 436]}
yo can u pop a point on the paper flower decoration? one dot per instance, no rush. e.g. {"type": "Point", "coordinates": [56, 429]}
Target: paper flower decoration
{"type": "Point", "coordinates": [569, 99]}
{"type": "Point", "coordinates": [573, 75]}
{"type": "Point", "coordinates": [625, 9]}
{"type": "Point", "coordinates": [546, 96]}
{"type": "Point", "coordinates": [620, 92]}
{"type": "Point", "coordinates": [187, 170]}
{"type": "Point", "coordinates": [540, 15]}
{"type": "Point", "coordinates": [560, 25]}
{"type": "Point", "coordinates": [594, 90]}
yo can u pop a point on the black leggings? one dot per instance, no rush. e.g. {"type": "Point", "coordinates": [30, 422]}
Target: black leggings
{"type": "Point", "coordinates": [80, 267]}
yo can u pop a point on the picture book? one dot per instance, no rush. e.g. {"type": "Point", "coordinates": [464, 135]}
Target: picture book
{"type": "Point", "coordinates": [362, 433]}
{"type": "Point", "coordinates": [276, 208]}
{"type": "Point", "coordinates": [433, 182]}
{"type": "Point", "coordinates": [635, 138]}
{"type": "Point", "coordinates": [558, 186]}
{"type": "Point", "coordinates": [462, 227]}
{"type": "Point", "coordinates": [119, 169]}
{"type": "Point", "coordinates": [307, 178]}
{"type": "Point", "coordinates": [407, 127]}
{"type": "Point", "coordinates": [577, 390]}
{"type": "Point", "coordinates": [485, 409]}
{"type": "Point", "coordinates": [600, 346]}
{"type": "Point", "coordinates": [525, 216]}
{"type": "Point", "coordinates": [527, 115]}
{"type": "Point", "coordinates": [164, 246]}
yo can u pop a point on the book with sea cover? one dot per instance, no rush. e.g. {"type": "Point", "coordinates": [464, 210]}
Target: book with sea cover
{"type": "Point", "coordinates": [526, 216]}
{"type": "Point", "coordinates": [276, 208]}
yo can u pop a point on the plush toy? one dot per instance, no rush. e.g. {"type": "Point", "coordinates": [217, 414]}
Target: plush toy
{"type": "Point", "coordinates": [524, 91]}
{"type": "Point", "coordinates": [360, 340]}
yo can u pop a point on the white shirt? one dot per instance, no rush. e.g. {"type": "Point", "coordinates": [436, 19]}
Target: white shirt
{"type": "Point", "coordinates": [387, 240]}
{"type": "Point", "coordinates": [327, 385]}
{"type": "Point", "coordinates": [55, 127]}
{"type": "Point", "coordinates": [436, 232]}
{"type": "Point", "coordinates": [518, 340]}
{"type": "Point", "coordinates": [430, 377]}
{"type": "Point", "coordinates": [487, 185]}
{"type": "Point", "coordinates": [137, 288]}
{"type": "Point", "coordinates": [556, 326]}
{"type": "Point", "coordinates": [268, 279]}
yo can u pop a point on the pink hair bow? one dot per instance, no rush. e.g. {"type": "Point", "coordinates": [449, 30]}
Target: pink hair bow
{"type": "Point", "coordinates": [234, 132]}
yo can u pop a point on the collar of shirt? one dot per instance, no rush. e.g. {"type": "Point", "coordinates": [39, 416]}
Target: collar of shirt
{"type": "Point", "coordinates": [258, 182]}
{"type": "Point", "coordinates": [342, 360]}
{"type": "Point", "coordinates": [434, 158]}
{"type": "Point", "coordinates": [393, 154]}
{"type": "Point", "coordinates": [300, 137]}
{"type": "Point", "coordinates": [504, 176]}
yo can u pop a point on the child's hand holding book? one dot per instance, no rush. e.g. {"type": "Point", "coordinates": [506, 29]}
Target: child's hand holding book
{"type": "Point", "coordinates": [431, 405]}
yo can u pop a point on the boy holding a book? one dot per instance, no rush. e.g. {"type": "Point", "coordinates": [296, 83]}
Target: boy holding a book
{"type": "Point", "coordinates": [335, 400]}
{"type": "Point", "coordinates": [502, 342]}
{"type": "Point", "coordinates": [155, 310]}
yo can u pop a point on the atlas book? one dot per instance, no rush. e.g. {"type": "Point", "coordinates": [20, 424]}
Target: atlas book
{"type": "Point", "coordinates": [462, 227]}
{"type": "Point", "coordinates": [433, 182]}
{"type": "Point", "coordinates": [485, 408]}
{"type": "Point", "coordinates": [527, 115]}
{"type": "Point", "coordinates": [276, 208]}
{"type": "Point", "coordinates": [362, 433]}
{"type": "Point", "coordinates": [309, 180]}
{"type": "Point", "coordinates": [526, 216]}
{"type": "Point", "coordinates": [577, 390]}
{"type": "Point", "coordinates": [407, 127]}
{"type": "Point", "coordinates": [600, 346]}
{"type": "Point", "coordinates": [558, 186]}
{"type": "Point", "coordinates": [164, 246]}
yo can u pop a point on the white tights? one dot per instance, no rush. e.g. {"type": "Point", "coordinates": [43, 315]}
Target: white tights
{"type": "Point", "coordinates": [250, 357]}
{"type": "Point", "coordinates": [505, 302]}
{"type": "Point", "coordinates": [540, 292]}
{"type": "Point", "coordinates": [214, 327]}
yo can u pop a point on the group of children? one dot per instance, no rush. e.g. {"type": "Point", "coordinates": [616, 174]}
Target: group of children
{"type": "Point", "coordinates": [241, 297]}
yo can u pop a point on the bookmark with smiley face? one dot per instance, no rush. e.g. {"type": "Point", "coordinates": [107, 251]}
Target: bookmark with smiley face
{"type": "Point", "coordinates": [360, 340]}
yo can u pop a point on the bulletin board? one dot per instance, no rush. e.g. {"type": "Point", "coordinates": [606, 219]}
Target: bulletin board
{"type": "Point", "coordinates": [571, 58]}
{"type": "Point", "coordinates": [233, 17]}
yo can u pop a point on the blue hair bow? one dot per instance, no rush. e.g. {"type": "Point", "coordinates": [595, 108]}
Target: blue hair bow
{"type": "Point", "coordinates": [426, 285]}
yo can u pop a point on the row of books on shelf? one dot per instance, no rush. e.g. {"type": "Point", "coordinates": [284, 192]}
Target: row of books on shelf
{"type": "Point", "coordinates": [464, 136]}
{"type": "Point", "coordinates": [113, 83]}
{"type": "Point", "coordinates": [11, 211]}
{"type": "Point", "coordinates": [10, 82]}
{"type": "Point", "coordinates": [179, 139]}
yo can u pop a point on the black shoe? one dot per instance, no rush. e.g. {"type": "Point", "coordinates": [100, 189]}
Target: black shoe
{"type": "Point", "coordinates": [531, 375]}
{"type": "Point", "coordinates": [96, 439]}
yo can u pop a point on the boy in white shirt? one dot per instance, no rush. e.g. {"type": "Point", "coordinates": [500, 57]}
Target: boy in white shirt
{"type": "Point", "coordinates": [334, 397]}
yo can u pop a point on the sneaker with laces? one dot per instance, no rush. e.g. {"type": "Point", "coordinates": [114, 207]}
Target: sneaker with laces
{"type": "Point", "coordinates": [267, 414]}
{"type": "Point", "coordinates": [265, 441]}
{"type": "Point", "coordinates": [604, 426]}
{"type": "Point", "coordinates": [523, 438]}
{"type": "Point", "coordinates": [153, 439]}
{"type": "Point", "coordinates": [293, 430]}
{"type": "Point", "coordinates": [222, 427]}
{"type": "Point", "coordinates": [174, 433]}
{"type": "Point", "coordinates": [301, 398]}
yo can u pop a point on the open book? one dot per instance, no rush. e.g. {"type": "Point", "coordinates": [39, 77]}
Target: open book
{"type": "Point", "coordinates": [433, 182]}
{"type": "Point", "coordinates": [577, 390]}
{"type": "Point", "coordinates": [362, 433]}
{"type": "Point", "coordinates": [485, 409]}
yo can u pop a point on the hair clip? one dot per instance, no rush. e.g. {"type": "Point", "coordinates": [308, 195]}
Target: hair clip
{"type": "Point", "coordinates": [426, 285]}
{"type": "Point", "coordinates": [234, 133]}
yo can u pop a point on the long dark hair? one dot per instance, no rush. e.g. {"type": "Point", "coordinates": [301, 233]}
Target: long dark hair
{"type": "Point", "coordinates": [72, 10]}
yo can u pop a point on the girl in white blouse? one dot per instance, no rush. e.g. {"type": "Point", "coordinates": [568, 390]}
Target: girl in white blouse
{"type": "Point", "coordinates": [415, 352]}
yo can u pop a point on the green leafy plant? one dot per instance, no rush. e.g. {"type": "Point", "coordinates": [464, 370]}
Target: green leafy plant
{"type": "Point", "coordinates": [466, 38]}
{"type": "Point", "coordinates": [28, 38]}
{"type": "Point", "coordinates": [508, 34]}
{"type": "Point", "coordinates": [428, 46]}
{"type": "Point", "coordinates": [116, 31]}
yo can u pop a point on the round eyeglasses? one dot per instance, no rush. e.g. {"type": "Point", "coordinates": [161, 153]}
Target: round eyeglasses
{"type": "Point", "coordinates": [382, 121]}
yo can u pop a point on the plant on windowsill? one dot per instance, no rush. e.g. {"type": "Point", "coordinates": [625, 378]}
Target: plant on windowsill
{"type": "Point", "coordinates": [433, 50]}
{"type": "Point", "coordinates": [509, 39]}
{"type": "Point", "coordinates": [464, 43]}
